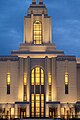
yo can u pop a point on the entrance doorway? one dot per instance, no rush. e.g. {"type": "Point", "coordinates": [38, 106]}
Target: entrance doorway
{"type": "Point", "coordinates": [22, 112]}
{"type": "Point", "coordinates": [52, 112]}
{"type": "Point", "coordinates": [37, 95]}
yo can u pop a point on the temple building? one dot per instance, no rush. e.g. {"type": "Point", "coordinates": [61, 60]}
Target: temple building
{"type": "Point", "coordinates": [38, 80]}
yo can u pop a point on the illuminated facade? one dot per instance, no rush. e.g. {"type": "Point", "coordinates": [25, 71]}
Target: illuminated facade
{"type": "Point", "coordinates": [38, 80]}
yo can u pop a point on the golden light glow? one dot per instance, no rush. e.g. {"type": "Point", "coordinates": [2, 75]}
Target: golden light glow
{"type": "Point", "coordinates": [8, 78]}
{"type": "Point", "coordinates": [38, 104]}
{"type": "Point", "coordinates": [66, 78]}
{"type": "Point", "coordinates": [37, 33]}
{"type": "Point", "coordinates": [42, 97]}
{"type": "Point", "coordinates": [32, 97]}
{"type": "Point", "coordinates": [25, 97]}
{"type": "Point", "coordinates": [39, 75]}
{"type": "Point", "coordinates": [25, 79]}
{"type": "Point", "coordinates": [49, 79]}
{"type": "Point", "coordinates": [32, 77]}
{"type": "Point", "coordinates": [50, 86]}
{"type": "Point", "coordinates": [37, 99]}
{"type": "Point", "coordinates": [32, 110]}
{"type": "Point", "coordinates": [62, 111]}
{"type": "Point", "coordinates": [12, 111]}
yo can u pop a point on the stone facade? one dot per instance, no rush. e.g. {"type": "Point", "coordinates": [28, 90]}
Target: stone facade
{"type": "Point", "coordinates": [58, 73]}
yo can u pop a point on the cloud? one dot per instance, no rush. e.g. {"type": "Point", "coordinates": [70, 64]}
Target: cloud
{"type": "Point", "coordinates": [67, 36]}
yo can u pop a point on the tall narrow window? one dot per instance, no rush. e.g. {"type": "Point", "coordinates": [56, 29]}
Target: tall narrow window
{"type": "Point", "coordinates": [50, 85]}
{"type": "Point", "coordinates": [37, 32]}
{"type": "Point", "coordinates": [66, 82]}
{"type": "Point", "coordinates": [8, 83]}
{"type": "Point", "coordinates": [25, 86]}
{"type": "Point", "coordinates": [37, 93]}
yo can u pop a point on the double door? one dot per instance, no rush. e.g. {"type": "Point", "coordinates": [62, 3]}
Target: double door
{"type": "Point", "coordinates": [22, 112]}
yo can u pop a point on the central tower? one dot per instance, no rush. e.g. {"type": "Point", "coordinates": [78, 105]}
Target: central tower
{"type": "Point", "coordinates": [37, 34]}
{"type": "Point", "coordinates": [37, 24]}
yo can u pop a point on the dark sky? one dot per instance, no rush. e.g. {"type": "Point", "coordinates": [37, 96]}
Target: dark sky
{"type": "Point", "coordinates": [66, 24]}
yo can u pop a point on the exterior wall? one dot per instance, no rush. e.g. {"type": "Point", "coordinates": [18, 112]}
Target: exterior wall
{"type": "Point", "coordinates": [78, 82]}
{"type": "Point", "coordinates": [46, 57]}
{"type": "Point", "coordinates": [5, 67]}
{"type": "Point", "coordinates": [55, 67]}
{"type": "Point", "coordinates": [46, 28]}
{"type": "Point", "coordinates": [71, 69]}
{"type": "Point", "coordinates": [27, 30]}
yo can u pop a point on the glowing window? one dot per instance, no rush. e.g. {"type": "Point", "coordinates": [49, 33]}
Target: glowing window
{"type": "Point", "coordinates": [37, 33]}
{"type": "Point", "coordinates": [32, 97]}
{"type": "Point", "coordinates": [8, 83]}
{"type": "Point", "coordinates": [66, 78]}
{"type": "Point", "coordinates": [49, 79]}
{"type": "Point", "coordinates": [50, 85]}
{"type": "Point", "coordinates": [8, 79]}
{"type": "Point", "coordinates": [37, 76]}
{"type": "Point", "coordinates": [66, 82]}
{"type": "Point", "coordinates": [37, 92]}
{"type": "Point", "coordinates": [25, 79]}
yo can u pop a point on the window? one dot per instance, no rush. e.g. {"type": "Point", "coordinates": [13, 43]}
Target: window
{"type": "Point", "coordinates": [50, 85]}
{"type": "Point", "coordinates": [25, 86]}
{"type": "Point", "coordinates": [37, 32]}
{"type": "Point", "coordinates": [8, 83]}
{"type": "Point", "coordinates": [66, 82]}
{"type": "Point", "coordinates": [37, 92]}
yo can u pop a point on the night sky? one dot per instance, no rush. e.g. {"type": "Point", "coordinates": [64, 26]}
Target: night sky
{"type": "Point", "coordinates": [66, 24]}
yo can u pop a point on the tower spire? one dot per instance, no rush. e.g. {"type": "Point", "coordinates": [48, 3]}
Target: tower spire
{"type": "Point", "coordinates": [40, 1]}
{"type": "Point", "coordinates": [33, 1]}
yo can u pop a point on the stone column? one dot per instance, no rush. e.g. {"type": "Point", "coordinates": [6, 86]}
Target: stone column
{"type": "Point", "coordinates": [28, 83]}
{"type": "Point", "coordinates": [20, 81]}
{"type": "Point", "coordinates": [59, 109]}
{"type": "Point", "coordinates": [28, 110]}
{"type": "Point", "coordinates": [54, 89]}
{"type": "Point", "coordinates": [25, 72]}
{"type": "Point", "coordinates": [50, 30]}
{"type": "Point", "coordinates": [46, 83]}
{"type": "Point", "coordinates": [43, 27]}
{"type": "Point", "coordinates": [32, 17]}
{"type": "Point", "coordinates": [16, 111]}
{"type": "Point", "coordinates": [47, 110]}
{"type": "Point", "coordinates": [24, 31]}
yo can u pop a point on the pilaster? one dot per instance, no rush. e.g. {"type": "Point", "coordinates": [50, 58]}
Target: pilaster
{"type": "Point", "coordinates": [50, 30]}
{"type": "Point", "coordinates": [43, 27]}
{"type": "Point", "coordinates": [16, 111]}
{"type": "Point", "coordinates": [59, 109]}
{"type": "Point", "coordinates": [54, 89]}
{"type": "Point", "coordinates": [20, 81]}
{"type": "Point", "coordinates": [28, 85]}
{"type": "Point", "coordinates": [46, 83]}
{"type": "Point", "coordinates": [32, 27]}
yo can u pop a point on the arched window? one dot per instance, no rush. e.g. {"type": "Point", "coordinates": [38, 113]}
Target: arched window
{"type": "Point", "coordinates": [37, 92]}
{"type": "Point", "coordinates": [37, 32]}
